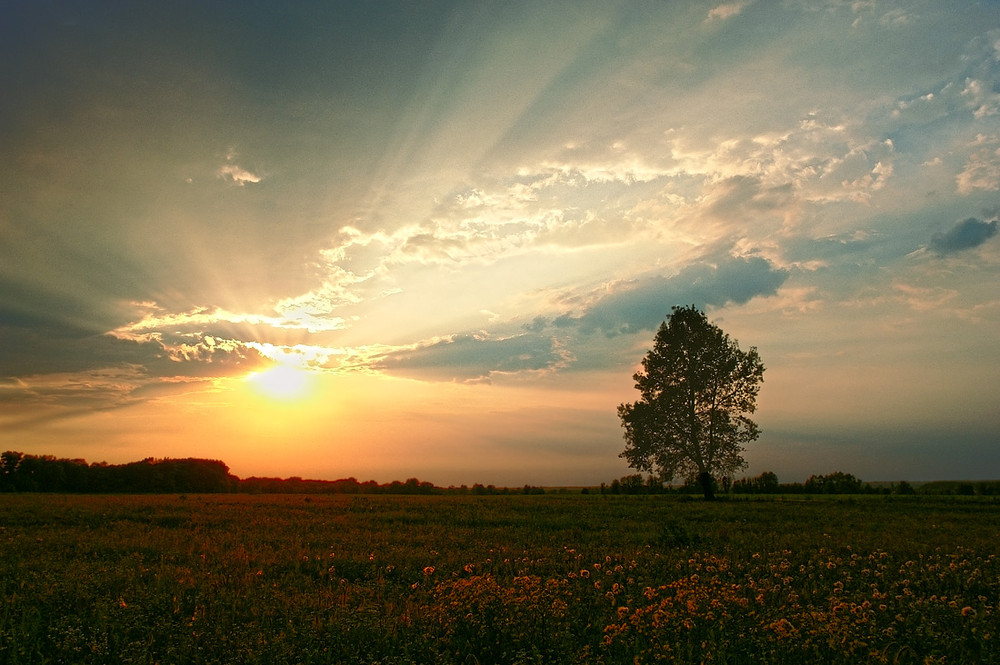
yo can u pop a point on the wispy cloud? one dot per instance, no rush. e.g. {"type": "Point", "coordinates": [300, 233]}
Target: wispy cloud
{"type": "Point", "coordinates": [725, 11]}
{"type": "Point", "coordinates": [235, 173]}
{"type": "Point", "coordinates": [982, 168]}
{"type": "Point", "coordinates": [238, 175]}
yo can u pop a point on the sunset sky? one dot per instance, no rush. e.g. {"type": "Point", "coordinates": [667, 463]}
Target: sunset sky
{"type": "Point", "coordinates": [435, 239]}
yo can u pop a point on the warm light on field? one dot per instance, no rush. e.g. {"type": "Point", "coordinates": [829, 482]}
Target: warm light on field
{"type": "Point", "coordinates": [282, 382]}
{"type": "Point", "coordinates": [650, 578]}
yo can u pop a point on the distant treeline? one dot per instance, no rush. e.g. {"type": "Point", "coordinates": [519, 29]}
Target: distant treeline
{"type": "Point", "coordinates": [20, 472]}
{"type": "Point", "coordinates": [837, 482]}
{"type": "Point", "coordinates": [44, 473]}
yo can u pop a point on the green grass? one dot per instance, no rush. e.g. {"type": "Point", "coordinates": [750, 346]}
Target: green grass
{"type": "Point", "coordinates": [497, 579]}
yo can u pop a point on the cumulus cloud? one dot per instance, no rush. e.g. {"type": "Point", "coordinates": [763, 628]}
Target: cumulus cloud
{"type": "Point", "coordinates": [967, 234]}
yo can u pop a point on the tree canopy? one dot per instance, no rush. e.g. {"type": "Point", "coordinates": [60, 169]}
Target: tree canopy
{"type": "Point", "coordinates": [697, 388]}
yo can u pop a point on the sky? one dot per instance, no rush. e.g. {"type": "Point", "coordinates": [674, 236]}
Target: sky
{"type": "Point", "coordinates": [391, 239]}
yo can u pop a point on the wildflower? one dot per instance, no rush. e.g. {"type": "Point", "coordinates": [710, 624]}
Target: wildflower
{"type": "Point", "coordinates": [783, 627]}
{"type": "Point", "coordinates": [623, 611]}
{"type": "Point", "coordinates": [968, 611]}
{"type": "Point", "coordinates": [584, 573]}
{"type": "Point", "coordinates": [429, 570]}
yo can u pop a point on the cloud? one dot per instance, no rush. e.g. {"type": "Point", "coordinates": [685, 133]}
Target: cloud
{"type": "Point", "coordinates": [967, 234]}
{"type": "Point", "coordinates": [566, 342]}
{"type": "Point", "coordinates": [632, 307]}
{"type": "Point", "coordinates": [475, 357]}
{"type": "Point", "coordinates": [44, 350]}
{"type": "Point", "coordinates": [982, 169]}
{"type": "Point", "coordinates": [724, 11]}
{"type": "Point", "coordinates": [238, 175]}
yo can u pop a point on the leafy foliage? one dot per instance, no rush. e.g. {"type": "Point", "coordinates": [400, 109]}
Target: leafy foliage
{"type": "Point", "coordinates": [696, 388]}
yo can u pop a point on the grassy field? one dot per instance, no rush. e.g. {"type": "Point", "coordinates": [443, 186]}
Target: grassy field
{"type": "Point", "coordinates": [497, 579]}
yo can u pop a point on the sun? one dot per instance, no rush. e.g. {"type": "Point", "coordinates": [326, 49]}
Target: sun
{"type": "Point", "coordinates": [283, 382]}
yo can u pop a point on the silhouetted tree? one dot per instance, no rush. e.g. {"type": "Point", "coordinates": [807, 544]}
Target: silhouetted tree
{"type": "Point", "coordinates": [697, 387]}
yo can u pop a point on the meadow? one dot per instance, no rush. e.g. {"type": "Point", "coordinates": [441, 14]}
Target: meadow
{"type": "Point", "coordinates": [498, 579]}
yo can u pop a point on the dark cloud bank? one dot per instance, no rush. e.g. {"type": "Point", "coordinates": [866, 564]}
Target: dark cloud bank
{"type": "Point", "coordinates": [967, 234]}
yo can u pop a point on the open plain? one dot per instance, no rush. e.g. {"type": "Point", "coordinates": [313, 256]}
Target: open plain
{"type": "Point", "coordinates": [556, 578]}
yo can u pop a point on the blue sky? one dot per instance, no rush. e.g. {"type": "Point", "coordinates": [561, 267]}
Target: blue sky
{"type": "Point", "coordinates": [460, 224]}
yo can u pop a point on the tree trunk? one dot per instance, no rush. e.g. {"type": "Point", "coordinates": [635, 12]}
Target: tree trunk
{"type": "Point", "coordinates": [705, 480]}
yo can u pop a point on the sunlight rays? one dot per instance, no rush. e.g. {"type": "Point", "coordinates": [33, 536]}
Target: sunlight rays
{"type": "Point", "coordinates": [281, 382]}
